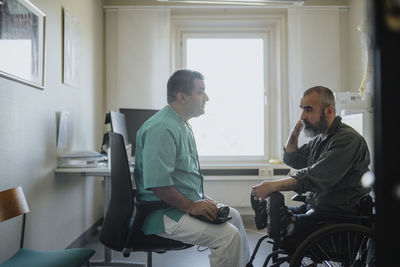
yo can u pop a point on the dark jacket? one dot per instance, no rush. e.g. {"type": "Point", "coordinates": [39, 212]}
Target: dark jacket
{"type": "Point", "coordinates": [331, 169]}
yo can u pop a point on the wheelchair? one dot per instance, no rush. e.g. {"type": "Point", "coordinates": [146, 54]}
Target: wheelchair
{"type": "Point", "coordinates": [337, 240]}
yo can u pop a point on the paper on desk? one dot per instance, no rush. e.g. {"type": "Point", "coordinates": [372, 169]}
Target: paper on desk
{"type": "Point", "coordinates": [81, 154]}
{"type": "Point", "coordinates": [81, 159]}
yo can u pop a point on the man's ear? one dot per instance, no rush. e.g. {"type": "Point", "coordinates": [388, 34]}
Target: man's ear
{"type": "Point", "coordinates": [329, 110]}
{"type": "Point", "coordinates": [180, 96]}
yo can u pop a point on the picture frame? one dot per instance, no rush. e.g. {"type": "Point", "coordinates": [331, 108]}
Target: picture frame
{"type": "Point", "coordinates": [22, 42]}
{"type": "Point", "coordinates": [70, 75]}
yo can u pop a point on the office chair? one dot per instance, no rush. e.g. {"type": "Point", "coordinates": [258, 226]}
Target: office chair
{"type": "Point", "coordinates": [13, 204]}
{"type": "Point", "coordinates": [121, 230]}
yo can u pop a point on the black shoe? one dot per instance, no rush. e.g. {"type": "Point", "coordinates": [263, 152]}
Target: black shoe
{"type": "Point", "coordinates": [275, 204]}
{"type": "Point", "coordinates": [260, 209]}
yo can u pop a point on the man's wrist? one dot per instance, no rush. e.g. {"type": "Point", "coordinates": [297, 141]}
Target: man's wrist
{"type": "Point", "coordinates": [276, 186]}
{"type": "Point", "coordinates": [187, 206]}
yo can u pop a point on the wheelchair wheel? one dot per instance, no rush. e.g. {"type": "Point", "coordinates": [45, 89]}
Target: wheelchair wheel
{"type": "Point", "coordinates": [336, 245]}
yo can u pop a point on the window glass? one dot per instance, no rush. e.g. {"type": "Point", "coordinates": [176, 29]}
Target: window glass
{"type": "Point", "coordinates": [233, 123]}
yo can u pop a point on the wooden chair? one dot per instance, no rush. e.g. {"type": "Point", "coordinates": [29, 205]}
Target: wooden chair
{"type": "Point", "coordinates": [13, 204]}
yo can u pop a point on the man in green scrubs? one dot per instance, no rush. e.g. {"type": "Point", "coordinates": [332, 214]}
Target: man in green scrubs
{"type": "Point", "coordinates": [167, 168]}
{"type": "Point", "coordinates": [329, 168]}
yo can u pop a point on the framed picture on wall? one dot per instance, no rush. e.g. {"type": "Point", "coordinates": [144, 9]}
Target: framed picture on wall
{"type": "Point", "coordinates": [22, 42]}
{"type": "Point", "coordinates": [70, 49]}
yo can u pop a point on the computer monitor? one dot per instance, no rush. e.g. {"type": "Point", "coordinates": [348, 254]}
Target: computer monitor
{"type": "Point", "coordinates": [134, 120]}
{"type": "Point", "coordinates": [118, 124]}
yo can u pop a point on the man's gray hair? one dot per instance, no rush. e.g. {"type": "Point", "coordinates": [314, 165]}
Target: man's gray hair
{"type": "Point", "coordinates": [326, 96]}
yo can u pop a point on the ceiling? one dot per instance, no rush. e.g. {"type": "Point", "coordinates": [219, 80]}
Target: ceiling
{"type": "Point", "coordinates": [156, 3]}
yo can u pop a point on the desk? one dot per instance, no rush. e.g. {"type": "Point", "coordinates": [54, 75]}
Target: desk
{"type": "Point", "coordinates": [100, 172]}
{"type": "Point", "coordinates": [106, 173]}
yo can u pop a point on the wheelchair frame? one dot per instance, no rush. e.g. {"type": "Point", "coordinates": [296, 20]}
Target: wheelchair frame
{"type": "Point", "coordinates": [343, 240]}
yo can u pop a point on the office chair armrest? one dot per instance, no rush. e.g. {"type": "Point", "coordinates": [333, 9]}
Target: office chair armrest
{"type": "Point", "coordinates": [143, 209]}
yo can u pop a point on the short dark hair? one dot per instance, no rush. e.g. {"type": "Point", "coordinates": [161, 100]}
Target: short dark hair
{"type": "Point", "coordinates": [182, 81]}
{"type": "Point", "coordinates": [326, 96]}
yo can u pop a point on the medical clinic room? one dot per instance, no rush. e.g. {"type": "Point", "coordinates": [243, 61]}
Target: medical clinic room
{"type": "Point", "coordinates": [176, 133]}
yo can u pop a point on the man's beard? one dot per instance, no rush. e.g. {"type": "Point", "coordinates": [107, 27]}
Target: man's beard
{"type": "Point", "coordinates": [312, 130]}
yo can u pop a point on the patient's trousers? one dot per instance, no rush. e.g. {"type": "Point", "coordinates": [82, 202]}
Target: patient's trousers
{"type": "Point", "coordinates": [305, 223]}
{"type": "Point", "coordinates": [227, 241]}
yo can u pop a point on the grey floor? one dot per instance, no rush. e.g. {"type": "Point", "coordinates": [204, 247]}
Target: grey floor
{"type": "Point", "coordinates": [185, 258]}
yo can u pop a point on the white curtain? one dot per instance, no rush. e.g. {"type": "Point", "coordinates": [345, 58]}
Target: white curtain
{"type": "Point", "coordinates": [318, 49]}
{"type": "Point", "coordinates": [137, 57]}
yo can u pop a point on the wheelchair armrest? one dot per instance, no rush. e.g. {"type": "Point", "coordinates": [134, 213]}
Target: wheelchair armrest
{"type": "Point", "coordinates": [366, 205]}
{"type": "Point", "coordinates": [299, 197]}
{"type": "Point", "coordinates": [343, 217]}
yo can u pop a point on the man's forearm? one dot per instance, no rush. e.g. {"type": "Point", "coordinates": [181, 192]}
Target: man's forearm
{"type": "Point", "coordinates": [266, 188]}
{"type": "Point", "coordinates": [286, 184]}
{"type": "Point", "coordinates": [173, 197]}
{"type": "Point", "coordinates": [291, 144]}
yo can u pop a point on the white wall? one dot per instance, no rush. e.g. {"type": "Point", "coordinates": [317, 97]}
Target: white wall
{"type": "Point", "coordinates": [325, 48]}
{"type": "Point", "coordinates": [318, 49]}
{"type": "Point", "coordinates": [62, 207]}
{"type": "Point", "coordinates": [137, 57]}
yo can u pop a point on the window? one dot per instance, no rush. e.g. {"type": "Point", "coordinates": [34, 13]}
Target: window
{"type": "Point", "coordinates": [234, 76]}
{"type": "Point", "coordinates": [243, 61]}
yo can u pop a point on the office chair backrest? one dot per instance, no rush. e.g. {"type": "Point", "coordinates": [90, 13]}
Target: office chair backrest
{"type": "Point", "coordinates": [115, 227]}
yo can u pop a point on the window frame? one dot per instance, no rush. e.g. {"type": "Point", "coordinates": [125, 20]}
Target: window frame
{"type": "Point", "coordinates": [272, 29]}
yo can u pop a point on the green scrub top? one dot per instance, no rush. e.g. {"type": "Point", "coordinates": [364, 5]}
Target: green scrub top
{"type": "Point", "coordinates": [166, 155]}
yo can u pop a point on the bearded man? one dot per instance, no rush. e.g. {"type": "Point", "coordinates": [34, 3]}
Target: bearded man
{"type": "Point", "coordinates": [328, 169]}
